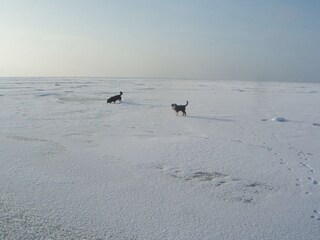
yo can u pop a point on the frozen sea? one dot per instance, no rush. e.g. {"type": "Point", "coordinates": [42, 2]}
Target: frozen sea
{"type": "Point", "coordinates": [243, 164]}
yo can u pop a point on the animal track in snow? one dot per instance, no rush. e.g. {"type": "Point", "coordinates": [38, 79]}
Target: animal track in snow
{"type": "Point", "coordinates": [316, 215]}
{"type": "Point", "coordinates": [197, 175]}
{"type": "Point", "coordinates": [269, 149]}
{"type": "Point", "coordinates": [230, 189]}
{"type": "Point", "coordinates": [191, 174]}
{"type": "Point", "coordinates": [298, 182]}
{"type": "Point", "coordinates": [303, 157]}
{"type": "Point", "coordinates": [309, 168]}
{"type": "Point", "coordinates": [314, 182]}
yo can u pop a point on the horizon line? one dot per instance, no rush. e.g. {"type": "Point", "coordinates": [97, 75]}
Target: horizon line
{"type": "Point", "coordinates": [164, 78]}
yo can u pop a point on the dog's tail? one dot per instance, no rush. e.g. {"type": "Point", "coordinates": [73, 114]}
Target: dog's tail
{"type": "Point", "coordinates": [120, 93]}
{"type": "Point", "coordinates": [186, 104]}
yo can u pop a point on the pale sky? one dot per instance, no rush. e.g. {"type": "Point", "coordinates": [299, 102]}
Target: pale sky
{"type": "Point", "coordinates": [211, 39]}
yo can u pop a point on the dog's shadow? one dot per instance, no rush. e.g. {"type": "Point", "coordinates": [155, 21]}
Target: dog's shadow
{"type": "Point", "coordinates": [134, 103]}
{"type": "Point", "coordinates": [221, 119]}
{"type": "Point", "coordinates": [137, 104]}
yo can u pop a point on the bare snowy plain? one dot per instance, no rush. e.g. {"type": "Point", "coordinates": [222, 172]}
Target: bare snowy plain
{"type": "Point", "coordinates": [243, 164]}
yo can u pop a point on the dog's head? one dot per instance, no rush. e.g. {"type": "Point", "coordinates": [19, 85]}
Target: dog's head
{"type": "Point", "coordinates": [173, 106]}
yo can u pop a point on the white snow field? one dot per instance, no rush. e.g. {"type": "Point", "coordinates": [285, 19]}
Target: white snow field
{"type": "Point", "coordinates": [243, 164]}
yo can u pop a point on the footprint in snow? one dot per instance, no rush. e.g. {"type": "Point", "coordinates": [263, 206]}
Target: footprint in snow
{"type": "Point", "coordinates": [309, 168]}
{"type": "Point", "coordinates": [316, 215]}
{"type": "Point", "coordinates": [229, 189]}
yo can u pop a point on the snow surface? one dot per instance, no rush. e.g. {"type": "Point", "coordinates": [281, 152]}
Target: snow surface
{"type": "Point", "coordinates": [243, 164]}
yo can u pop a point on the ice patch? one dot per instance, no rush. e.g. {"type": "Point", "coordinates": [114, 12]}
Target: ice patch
{"type": "Point", "coordinates": [279, 119]}
{"type": "Point", "coordinates": [275, 119]}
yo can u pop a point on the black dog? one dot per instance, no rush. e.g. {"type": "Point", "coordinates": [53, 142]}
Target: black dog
{"type": "Point", "coordinates": [115, 98]}
{"type": "Point", "coordinates": [179, 108]}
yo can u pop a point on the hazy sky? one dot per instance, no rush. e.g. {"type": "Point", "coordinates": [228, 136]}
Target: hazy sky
{"type": "Point", "coordinates": [225, 39]}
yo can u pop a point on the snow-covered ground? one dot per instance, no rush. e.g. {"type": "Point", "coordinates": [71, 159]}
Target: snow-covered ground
{"type": "Point", "coordinates": [243, 164]}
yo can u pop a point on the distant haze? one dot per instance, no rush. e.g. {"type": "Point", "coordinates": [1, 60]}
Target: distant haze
{"type": "Point", "coordinates": [224, 39]}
